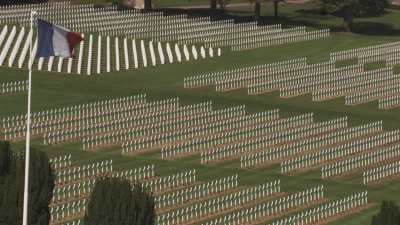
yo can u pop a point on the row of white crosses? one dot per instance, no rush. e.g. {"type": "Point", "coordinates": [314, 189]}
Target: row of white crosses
{"type": "Point", "coordinates": [334, 153]}
{"type": "Point", "coordinates": [170, 129]}
{"type": "Point", "coordinates": [61, 162]}
{"type": "Point", "coordinates": [273, 135]}
{"type": "Point", "coordinates": [345, 81]}
{"type": "Point", "coordinates": [170, 182]}
{"type": "Point", "coordinates": [199, 191]}
{"type": "Point", "coordinates": [232, 130]}
{"type": "Point", "coordinates": [383, 154]}
{"type": "Point", "coordinates": [109, 129]}
{"type": "Point", "coordinates": [137, 174]}
{"type": "Point", "coordinates": [78, 113]}
{"type": "Point", "coordinates": [13, 87]}
{"type": "Point", "coordinates": [159, 27]}
{"type": "Point", "coordinates": [95, 53]}
{"type": "Point", "coordinates": [281, 153]}
{"type": "Point", "coordinates": [155, 122]}
{"type": "Point", "coordinates": [186, 130]}
{"type": "Point", "coordinates": [80, 117]}
{"type": "Point", "coordinates": [389, 102]}
{"type": "Point", "coordinates": [291, 35]}
{"type": "Point", "coordinates": [244, 73]}
{"type": "Point", "coordinates": [92, 170]}
{"type": "Point", "coordinates": [76, 190]}
{"type": "Point", "coordinates": [323, 80]}
{"type": "Point", "coordinates": [386, 85]}
{"type": "Point", "coordinates": [324, 212]}
{"type": "Point", "coordinates": [72, 222]}
{"type": "Point", "coordinates": [265, 210]}
{"type": "Point", "coordinates": [253, 137]}
{"type": "Point", "coordinates": [220, 204]}
{"type": "Point", "coordinates": [360, 53]}
{"type": "Point", "coordinates": [382, 172]}
{"type": "Point", "coordinates": [69, 211]}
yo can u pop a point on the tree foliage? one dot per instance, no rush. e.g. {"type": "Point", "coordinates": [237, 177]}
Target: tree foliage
{"type": "Point", "coordinates": [114, 202]}
{"type": "Point", "coordinates": [14, 2]}
{"type": "Point", "coordinates": [41, 187]}
{"type": "Point", "coordinates": [388, 215]}
{"type": "Point", "coordinates": [348, 9]}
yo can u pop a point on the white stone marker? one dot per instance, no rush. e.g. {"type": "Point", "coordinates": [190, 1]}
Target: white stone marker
{"type": "Point", "coordinates": [90, 55]}
{"type": "Point", "coordinates": [186, 52]}
{"type": "Point", "coordinates": [108, 57]}
{"type": "Point", "coordinates": [169, 53]}
{"type": "Point", "coordinates": [194, 52]}
{"type": "Point", "coordinates": [40, 63]}
{"type": "Point", "coordinates": [152, 54]}
{"type": "Point", "coordinates": [3, 34]}
{"type": "Point", "coordinates": [161, 53]}
{"type": "Point", "coordinates": [80, 57]}
{"type": "Point", "coordinates": [50, 63]}
{"type": "Point", "coordinates": [143, 50]}
{"type": "Point", "coordinates": [135, 55]}
{"type": "Point", "coordinates": [211, 52]}
{"type": "Point", "coordinates": [17, 46]}
{"type": "Point", "coordinates": [126, 54]}
{"type": "Point", "coordinates": [178, 53]}
{"type": "Point", "coordinates": [7, 45]}
{"type": "Point", "coordinates": [117, 65]}
{"type": "Point", "coordinates": [60, 64]}
{"type": "Point", "coordinates": [25, 50]}
{"type": "Point", "coordinates": [99, 55]}
{"type": "Point", "coordinates": [203, 52]}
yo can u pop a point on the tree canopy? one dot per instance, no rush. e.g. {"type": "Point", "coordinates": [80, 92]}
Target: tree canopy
{"type": "Point", "coordinates": [348, 9]}
{"type": "Point", "coordinates": [12, 186]}
{"type": "Point", "coordinates": [115, 202]}
{"type": "Point", "coordinates": [388, 215]}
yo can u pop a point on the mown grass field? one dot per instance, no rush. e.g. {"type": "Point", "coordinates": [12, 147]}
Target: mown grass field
{"type": "Point", "coordinates": [51, 90]}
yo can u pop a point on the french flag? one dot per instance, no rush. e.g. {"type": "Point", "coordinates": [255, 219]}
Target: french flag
{"type": "Point", "coordinates": [55, 40]}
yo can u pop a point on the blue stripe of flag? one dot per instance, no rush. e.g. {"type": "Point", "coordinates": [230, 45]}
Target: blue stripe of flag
{"type": "Point", "coordinates": [45, 39]}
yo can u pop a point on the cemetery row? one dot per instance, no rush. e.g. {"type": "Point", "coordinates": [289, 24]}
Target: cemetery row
{"type": "Point", "coordinates": [324, 81]}
{"type": "Point", "coordinates": [182, 199]}
{"type": "Point", "coordinates": [97, 54]}
{"type": "Point", "coordinates": [297, 143]}
{"type": "Point", "coordinates": [13, 87]}
{"type": "Point", "coordinates": [109, 21]}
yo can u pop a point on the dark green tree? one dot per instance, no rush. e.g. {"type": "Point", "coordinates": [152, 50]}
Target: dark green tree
{"type": "Point", "coordinates": [5, 158]}
{"type": "Point", "coordinates": [114, 202]}
{"type": "Point", "coordinates": [348, 9]}
{"type": "Point", "coordinates": [213, 5]}
{"type": "Point", "coordinates": [40, 190]}
{"type": "Point", "coordinates": [388, 215]}
{"type": "Point", "coordinates": [148, 5]}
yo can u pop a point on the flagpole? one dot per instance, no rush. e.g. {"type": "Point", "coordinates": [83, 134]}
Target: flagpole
{"type": "Point", "coordinates": [28, 130]}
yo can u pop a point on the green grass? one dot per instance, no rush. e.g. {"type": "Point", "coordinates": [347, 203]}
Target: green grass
{"type": "Point", "coordinates": [52, 90]}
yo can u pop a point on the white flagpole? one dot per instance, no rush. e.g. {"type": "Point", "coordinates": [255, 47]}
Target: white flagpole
{"type": "Point", "coordinates": [28, 130]}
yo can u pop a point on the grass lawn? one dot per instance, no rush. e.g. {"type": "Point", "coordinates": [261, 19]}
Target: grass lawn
{"type": "Point", "coordinates": [52, 90]}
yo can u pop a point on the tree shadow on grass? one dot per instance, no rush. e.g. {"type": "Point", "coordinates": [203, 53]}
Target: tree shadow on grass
{"type": "Point", "coordinates": [375, 29]}
{"type": "Point", "coordinates": [311, 18]}
{"type": "Point", "coordinates": [286, 22]}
